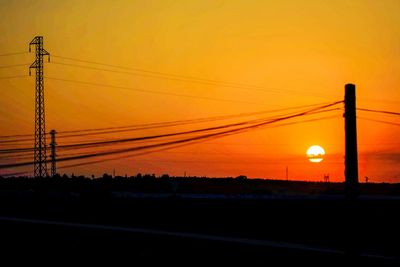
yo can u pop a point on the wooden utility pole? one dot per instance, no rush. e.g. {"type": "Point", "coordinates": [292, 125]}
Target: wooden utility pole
{"type": "Point", "coordinates": [351, 231]}
{"type": "Point", "coordinates": [351, 159]}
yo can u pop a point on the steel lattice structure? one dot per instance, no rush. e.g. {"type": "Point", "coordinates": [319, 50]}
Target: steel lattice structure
{"type": "Point", "coordinates": [40, 168]}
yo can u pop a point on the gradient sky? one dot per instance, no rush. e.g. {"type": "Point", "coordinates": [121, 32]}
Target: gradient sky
{"type": "Point", "coordinates": [299, 52]}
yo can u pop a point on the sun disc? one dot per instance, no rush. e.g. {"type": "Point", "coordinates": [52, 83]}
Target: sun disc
{"type": "Point", "coordinates": [315, 153]}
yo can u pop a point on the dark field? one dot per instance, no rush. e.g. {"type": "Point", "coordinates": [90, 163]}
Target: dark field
{"type": "Point", "coordinates": [326, 224]}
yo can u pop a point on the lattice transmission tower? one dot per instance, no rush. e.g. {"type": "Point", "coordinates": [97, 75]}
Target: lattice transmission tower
{"type": "Point", "coordinates": [40, 168]}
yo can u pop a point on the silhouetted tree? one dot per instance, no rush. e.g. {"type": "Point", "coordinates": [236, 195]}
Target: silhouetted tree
{"type": "Point", "coordinates": [164, 176]}
{"type": "Point", "coordinates": [107, 176]}
{"type": "Point", "coordinates": [147, 177]}
{"type": "Point", "coordinates": [241, 177]}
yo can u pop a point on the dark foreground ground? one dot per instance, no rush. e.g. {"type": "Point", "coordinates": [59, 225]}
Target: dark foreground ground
{"type": "Point", "coordinates": [199, 231]}
{"type": "Point", "coordinates": [147, 221]}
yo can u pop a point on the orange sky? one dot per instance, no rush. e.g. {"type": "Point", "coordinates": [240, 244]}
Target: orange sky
{"type": "Point", "coordinates": [295, 52]}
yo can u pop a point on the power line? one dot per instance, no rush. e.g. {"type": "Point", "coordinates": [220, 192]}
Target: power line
{"type": "Point", "coordinates": [228, 132]}
{"type": "Point", "coordinates": [155, 92]}
{"type": "Point", "coordinates": [143, 138]}
{"type": "Point", "coordinates": [90, 144]}
{"type": "Point", "coordinates": [199, 79]}
{"type": "Point", "coordinates": [16, 150]}
{"type": "Point", "coordinates": [158, 150]}
{"type": "Point", "coordinates": [13, 54]}
{"type": "Point", "coordinates": [168, 124]}
{"type": "Point", "coordinates": [27, 155]}
{"type": "Point", "coordinates": [171, 147]}
{"type": "Point", "coordinates": [22, 150]}
{"type": "Point", "coordinates": [194, 120]}
{"type": "Point", "coordinates": [158, 124]}
{"type": "Point", "coordinates": [379, 111]}
{"type": "Point", "coordinates": [15, 135]}
{"type": "Point", "coordinates": [15, 141]}
{"type": "Point", "coordinates": [168, 148]}
{"type": "Point", "coordinates": [147, 75]}
{"type": "Point", "coordinates": [192, 80]}
{"type": "Point", "coordinates": [182, 141]}
{"type": "Point", "coordinates": [366, 99]}
{"type": "Point", "coordinates": [290, 144]}
{"type": "Point", "coordinates": [147, 71]}
{"type": "Point", "coordinates": [380, 121]}
{"type": "Point", "coordinates": [17, 157]}
{"type": "Point", "coordinates": [13, 77]}
{"type": "Point", "coordinates": [152, 72]}
{"type": "Point", "coordinates": [14, 173]}
{"type": "Point", "coordinates": [15, 65]}
{"type": "Point", "coordinates": [122, 157]}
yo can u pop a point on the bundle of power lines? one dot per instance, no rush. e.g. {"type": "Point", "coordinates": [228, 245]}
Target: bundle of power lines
{"type": "Point", "coordinates": [139, 145]}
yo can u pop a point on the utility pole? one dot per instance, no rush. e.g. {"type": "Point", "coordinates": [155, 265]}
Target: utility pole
{"type": "Point", "coordinates": [351, 160]}
{"type": "Point", "coordinates": [287, 173]}
{"type": "Point", "coordinates": [40, 168]}
{"type": "Point", "coordinates": [53, 152]}
{"type": "Point", "coordinates": [351, 220]}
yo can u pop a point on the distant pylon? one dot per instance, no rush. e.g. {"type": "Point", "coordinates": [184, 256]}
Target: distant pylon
{"type": "Point", "coordinates": [53, 152]}
{"type": "Point", "coordinates": [287, 173]}
{"type": "Point", "coordinates": [40, 169]}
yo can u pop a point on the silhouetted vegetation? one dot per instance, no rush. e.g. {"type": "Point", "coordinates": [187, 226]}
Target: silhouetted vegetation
{"type": "Point", "coordinates": [106, 185]}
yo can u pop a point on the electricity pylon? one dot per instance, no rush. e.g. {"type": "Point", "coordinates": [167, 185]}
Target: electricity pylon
{"type": "Point", "coordinates": [40, 169]}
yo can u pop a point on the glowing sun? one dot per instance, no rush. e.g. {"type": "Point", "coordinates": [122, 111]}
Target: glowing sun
{"type": "Point", "coordinates": [315, 153]}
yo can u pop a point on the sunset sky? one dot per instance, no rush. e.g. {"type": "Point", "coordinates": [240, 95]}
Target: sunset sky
{"type": "Point", "coordinates": [274, 54]}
